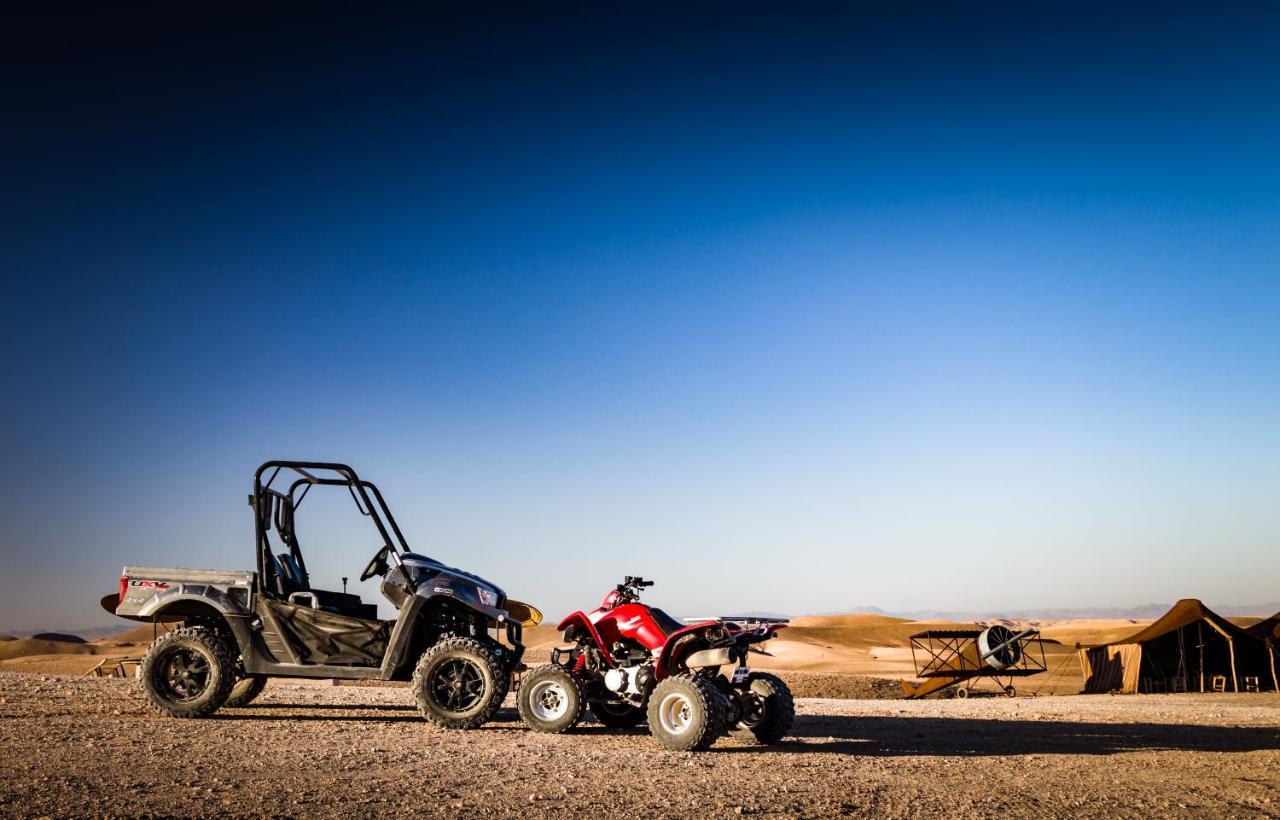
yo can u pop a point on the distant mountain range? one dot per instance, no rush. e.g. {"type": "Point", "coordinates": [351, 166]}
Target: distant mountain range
{"type": "Point", "coordinates": [1144, 612]}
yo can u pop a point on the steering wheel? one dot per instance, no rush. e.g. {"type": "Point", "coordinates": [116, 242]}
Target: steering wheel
{"type": "Point", "coordinates": [377, 564]}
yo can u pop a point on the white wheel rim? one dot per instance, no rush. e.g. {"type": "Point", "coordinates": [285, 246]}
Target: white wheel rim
{"type": "Point", "coordinates": [675, 713]}
{"type": "Point", "coordinates": [548, 700]}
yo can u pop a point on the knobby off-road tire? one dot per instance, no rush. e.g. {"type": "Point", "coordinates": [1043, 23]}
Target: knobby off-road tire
{"type": "Point", "coordinates": [188, 673]}
{"type": "Point", "coordinates": [685, 714]}
{"type": "Point", "coordinates": [245, 690]}
{"type": "Point", "coordinates": [618, 715]}
{"type": "Point", "coordinates": [777, 711]}
{"type": "Point", "coordinates": [477, 673]}
{"type": "Point", "coordinates": [550, 700]}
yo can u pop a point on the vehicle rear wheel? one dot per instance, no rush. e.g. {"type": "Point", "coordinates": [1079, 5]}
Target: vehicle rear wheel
{"type": "Point", "coordinates": [458, 683]}
{"type": "Point", "coordinates": [550, 700]}
{"type": "Point", "coordinates": [772, 711]}
{"type": "Point", "coordinates": [618, 715]}
{"type": "Point", "coordinates": [188, 673]}
{"type": "Point", "coordinates": [245, 690]}
{"type": "Point", "coordinates": [684, 714]}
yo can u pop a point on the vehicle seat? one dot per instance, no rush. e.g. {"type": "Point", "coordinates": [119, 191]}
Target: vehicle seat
{"type": "Point", "coordinates": [665, 622]}
{"type": "Point", "coordinates": [290, 579]}
{"type": "Point", "coordinates": [294, 570]}
{"type": "Point", "coordinates": [287, 583]}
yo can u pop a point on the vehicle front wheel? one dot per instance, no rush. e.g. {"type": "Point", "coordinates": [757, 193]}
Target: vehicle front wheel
{"type": "Point", "coordinates": [458, 683]}
{"type": "Point", "coordinates": [618, 715]}
{"type": "Point", "coordinates": [188, 673]}
{"type": "Point", "coordinates": [685, 714]}
{"type": "Point", "coordinates": [245, 690]}
{"type": "Point", "coordinates": [550, 700]}
{"type": "Point", "coordinates": [770, 713]}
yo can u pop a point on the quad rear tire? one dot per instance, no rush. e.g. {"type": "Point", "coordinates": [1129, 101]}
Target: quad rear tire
{"type": "Point", "coordinates": [459, 683]}
{"type": "Point", "coordinates": [246, 690]}
{"type": "Point", "coordinates": [618, 715]}
{"type": "Point", "coordinates": [550, 700]}
{"type": "Point", "coordinates": [188, 673]}
{"type": "Point", "coordinates": [774, 712]}
{"type": "Point", "coordinates": [685, 714]}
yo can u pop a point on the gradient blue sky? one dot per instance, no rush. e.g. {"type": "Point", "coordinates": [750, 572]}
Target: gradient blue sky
{"type": "Point", "coordinates": [790, 310]}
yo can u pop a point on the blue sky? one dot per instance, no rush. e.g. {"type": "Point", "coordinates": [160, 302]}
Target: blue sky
{"type": "Point", "coordinates": [792, 311]}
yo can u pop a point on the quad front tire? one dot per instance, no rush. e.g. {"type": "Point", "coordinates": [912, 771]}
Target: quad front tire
{"type": "Point", "coordinates": [245, 690]}
{"type": "Point", "coordinates": [550, 700]}
{"type": "Point", "coordinates": [772, 711]}
{"type": "Point", "coordinates": [459, 683]}
{"type": "Point", "coordinates": [685, 713]}
{"type": "Point", "coordinates": [188, 673]}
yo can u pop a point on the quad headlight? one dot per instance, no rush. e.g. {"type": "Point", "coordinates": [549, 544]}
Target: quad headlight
{"type": "Point", "coordinates": [487, 597]}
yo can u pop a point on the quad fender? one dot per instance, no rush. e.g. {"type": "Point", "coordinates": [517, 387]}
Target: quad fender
{"type": "Point", "coordinates": [579, 619]}
{"type": "Point", "coordinates": [688, 653]}
{"type": "Point", "coordinates": [188, 600]}
{"type": "Point", "coordinates": [678, 646]}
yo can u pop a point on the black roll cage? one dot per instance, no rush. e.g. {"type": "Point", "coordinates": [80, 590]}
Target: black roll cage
{"type": "Point", "coordinates": [275, 508]}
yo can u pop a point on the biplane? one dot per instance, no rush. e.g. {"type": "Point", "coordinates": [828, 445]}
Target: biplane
{"type": "Point", "coordinates": [950, 657]}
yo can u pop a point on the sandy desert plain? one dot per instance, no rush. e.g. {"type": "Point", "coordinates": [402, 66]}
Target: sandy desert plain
{"type": "Point", "coordinates": [77, 745]}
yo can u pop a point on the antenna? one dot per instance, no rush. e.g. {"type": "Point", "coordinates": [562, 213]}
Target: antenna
{"type": "Point", "coordinates": [344, 585]}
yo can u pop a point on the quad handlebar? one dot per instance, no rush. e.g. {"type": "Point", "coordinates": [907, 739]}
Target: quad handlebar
{"type": "Point", "coordinates": [629, 589]}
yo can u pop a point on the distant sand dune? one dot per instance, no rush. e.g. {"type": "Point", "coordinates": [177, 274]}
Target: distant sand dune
{"type": "Point", "coordinates": [828, 646]}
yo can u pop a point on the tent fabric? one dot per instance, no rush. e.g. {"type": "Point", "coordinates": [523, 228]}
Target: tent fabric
{"type": "Point", "coordinates": [1184, 650]}
{"type": "Point", "coordinates": [1184, 613]}
{"type": "Point", "coordinates": [1112, 668]}
{"type": "Point", "coordinates": [1266, 628]}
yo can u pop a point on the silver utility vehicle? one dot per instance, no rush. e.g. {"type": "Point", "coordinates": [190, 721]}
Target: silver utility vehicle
{"type": "Point", "coordinates": [456, 636]}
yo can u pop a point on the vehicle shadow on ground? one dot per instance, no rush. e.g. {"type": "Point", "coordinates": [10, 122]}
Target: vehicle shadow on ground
{"type": "Point", "coordinates": [352, 712]}
{"type": "Point", "coordinates": [347, 707]}
{"type": "Point", "coordinates": [969, 737]}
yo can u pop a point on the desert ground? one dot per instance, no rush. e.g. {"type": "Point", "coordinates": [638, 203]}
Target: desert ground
{"type": "Point", "coordinates": [77, 745]}
{"type": "Point", "coordinates": [71, 745]}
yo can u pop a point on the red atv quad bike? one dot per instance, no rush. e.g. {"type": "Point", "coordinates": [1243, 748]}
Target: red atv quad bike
{"type": "Point", "coordinates": [631, 662]}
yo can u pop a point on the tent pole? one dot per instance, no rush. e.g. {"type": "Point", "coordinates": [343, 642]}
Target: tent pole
{"type": "Point", "coordinates": [1182, 657]}
{"type": "Point", "coordinates": [1231, 652]}
{"type": "Point", "coordinates": [1235, 682]}
{"type": "Point", "coordinates": [1271, 654]}
{"type": "Point", "coordinates": [1200, 646]}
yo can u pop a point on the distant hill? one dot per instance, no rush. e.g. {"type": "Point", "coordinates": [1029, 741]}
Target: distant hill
{"type": "Point", "coordinates": [58, 636]}
{"type": "Point", "coordinates": [1143, 612]}
{"type": "Point", "coordinates": [24, 647]}
{"type": "Point", "coordinates": [91, 633]}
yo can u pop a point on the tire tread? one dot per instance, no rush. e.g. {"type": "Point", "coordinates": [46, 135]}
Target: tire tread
{"type": "Point", "coordinates": [777, 720]}
{"type": "Point", "coordinates": [701, 736]}
{"type": "Point", "coordinates": [486, 655]}
{"type": "Point", "coordinates": [550, 671]}
{"type": "Point", "coordinates": [226, 679]}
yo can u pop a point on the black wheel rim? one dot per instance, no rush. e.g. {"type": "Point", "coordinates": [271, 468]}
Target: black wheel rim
{"type": "Point", "coordinates": [457, 685]}
{"type": "Point", "coordinates": [184, 675]}
{"type": "Point", "coordinates": [754, 711]}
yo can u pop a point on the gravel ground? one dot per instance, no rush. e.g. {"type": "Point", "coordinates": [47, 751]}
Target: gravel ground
{"type": "Point", "coordinates": [81, 746]}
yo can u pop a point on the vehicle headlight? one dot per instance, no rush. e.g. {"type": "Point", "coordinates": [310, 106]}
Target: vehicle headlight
{"type": "Point", "coordinates": [487, 597]}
